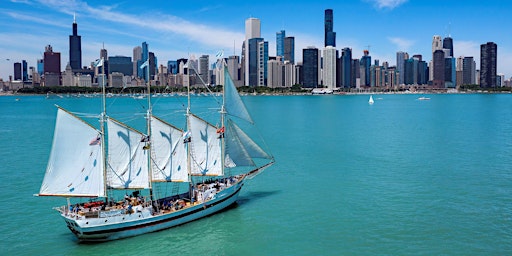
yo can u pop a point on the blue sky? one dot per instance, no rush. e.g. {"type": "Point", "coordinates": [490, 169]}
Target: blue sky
{"type": "Point", "coordinates": [178, 29]}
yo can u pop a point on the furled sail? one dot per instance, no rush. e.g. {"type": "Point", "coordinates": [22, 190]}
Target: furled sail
{"type": "Point", "coordinates": [240, 148]}
{"type": "Point", "coordinates": [205, 147]}
{"type": "Point", "coordinates": [76, 163]}
{"type": "Point", "coordinates": [233, 103]}
{"type": "Point", "coordinates": [127, 157]}
{"type": "Point", "coordinates": [169, 152]}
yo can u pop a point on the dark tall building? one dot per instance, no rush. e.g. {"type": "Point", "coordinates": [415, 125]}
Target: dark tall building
{"type": "Point", "coordinates": [422, 72]}
{"type": "Point", "coordinates": [120, 64]}
{"type": "Point", "coordinates": [330, 36]}
{"type": "Point", "coordinates": [448, 44]}
{"type": "Point", "coordinates": [366, 62]}
{"type": "Point", "coordinates": [346, 67]}
{"type": "Point", "coordinates": [51, 61]}
{"type": "Point", "coordinates": [488, 64]}
{"type": "Point", "coordinates": [24, 71]}
{"type": "Point", "coordinates": [411, 71]}
{"type": "Point", "coordinates": [75, 48]}
{"type": "Point", "coordinates": [468, 70]}
{"type": "Point", "coordinates": [310, 67]}
{"type": "Point", "coordinates": [439, 69]}
{"type": "Point", "coordinates": [289, 49]}
{"type": "Point", "coordinates": [17, 71]}
{"type": "Point", "coordinates": [253, 61]}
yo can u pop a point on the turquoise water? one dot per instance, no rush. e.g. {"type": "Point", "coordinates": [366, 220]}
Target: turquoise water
{"type": "Point", "coordinates": [399, 177]}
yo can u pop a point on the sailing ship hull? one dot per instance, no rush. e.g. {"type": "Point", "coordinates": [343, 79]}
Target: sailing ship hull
{"type": "Point", "coordinates": [126, 225]}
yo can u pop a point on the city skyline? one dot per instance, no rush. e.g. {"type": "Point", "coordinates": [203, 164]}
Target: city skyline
{"type": "Point", "coordinates": [175, 30]}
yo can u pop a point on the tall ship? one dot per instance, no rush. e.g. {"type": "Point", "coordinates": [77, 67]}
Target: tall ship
{"type": "Point", "coordinates": [119, 173]}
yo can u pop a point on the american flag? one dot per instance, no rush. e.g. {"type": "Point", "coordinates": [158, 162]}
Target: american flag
{"type": "Point", "coordinates": [95, 141]}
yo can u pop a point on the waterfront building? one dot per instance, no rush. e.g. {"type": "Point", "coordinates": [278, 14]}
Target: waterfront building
{"type": "Point", "coordinates": [436, 43]}
{"type": "Point", "coordinates": [329, 67]}
{"type": "Point", "coordinates": [289, 49]}
{"type": "Point", "coordinates": [449, 72]}
{"type": "Point", "coordinates": [75, 48]}
{"type": "Point", "coordinates": [233, 63]}
{"type": "Point", "coordinates": [120, 64]}
{"type": "Point", "coordinates": [310, 67]}
{"type": "Point", "coordinates": [275, 73]}
{"type": "Point", "coordinates": [204, 63]}
{"type": "Point", "coordinates": [251, 72]}
{"type": "Point", "coordinates": [250, 50]}
{"type": "Point", "coordinates": [17, 71]}
{"type": "Point", "coordinates": [346, 68]}
{"type": "Point", "coordinates": [172, 67]}
{"type": "Point", "coordinates": [488, 64]}
{"type": "Point", "coordinates": [438, 69]}
{"type": "Point", "coordinates": [411, 71]}
{"type": "Point", "coordinates": [330, 36]}
{"type": "Point", "coordinates": [52, 73]}
{"type": "Point", "coordinates": [137, 56]}
{"type": "Point", "coordinates": [401, 57]}
{"type": "Point", "coordinates": [280, 36]}
{"type": "Point", "coordinates": [40, 67]}
{"type": "Point", "coordinates": [366, 62]}
{"type": "Point", "coordinates": [468, 70]}
{"type": "Point", "coordinates": [448, 44]}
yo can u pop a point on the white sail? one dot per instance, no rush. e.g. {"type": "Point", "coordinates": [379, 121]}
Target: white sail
{"type": "Point", "coordinates": [233, 103]}
{"type": "Point", "coordinates": [240, 148]}
{"type": "Point", "coordinates": [75, 167]}
{"type": "Point", "coordinates": [127, 159]}
{"type": "Point", "coordinates": [205, 147]}
{"type": "Point", "coordinates": [370, 101]}
{"type": "Point", "coordinates": [169, 152]}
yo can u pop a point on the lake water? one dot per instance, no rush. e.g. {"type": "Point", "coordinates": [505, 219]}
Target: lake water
{"type": "Point", "coordinates": [400, 177]}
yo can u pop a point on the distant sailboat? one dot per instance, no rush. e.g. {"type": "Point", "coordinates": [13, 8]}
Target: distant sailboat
{"type": "Point", "coordinates": [370, 101]}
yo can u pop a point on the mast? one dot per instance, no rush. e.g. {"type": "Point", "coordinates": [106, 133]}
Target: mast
{"type": "Point", "coordinates": [222, 117]}
{"type": "Point", "coordinates": [103, 117]}
{"type": "Point", "coordinates": [150, 175]}
{"type": "Point", "coordinates": [189, 167]}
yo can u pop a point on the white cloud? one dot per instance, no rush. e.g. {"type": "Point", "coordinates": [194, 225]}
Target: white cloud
{"type": "Point", "coordinates": [402, 44]}
{"type": "Point", "coordinates": [387, 4]}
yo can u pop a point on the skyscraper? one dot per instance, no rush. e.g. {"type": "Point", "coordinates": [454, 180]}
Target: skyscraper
{"type": "Point", "coordinates": [75, 48]}
{"type": "Point", "coordinates": [251, 73]}
{"type": "Point", "coordinates": [329, 75]}
{"type": "Point", "coordinates": [251, 57]}
{"type": "Point", "coordinates": [346, 67]}
{"type": "Point", "coordinates": [488, 64]}
{"type": "Point", "coordinates": [17, 71]}
{"type": "Point", "coordinates": [280, 36]}
{"type": "Point", "coordinates": [137, 56]}
{"type": "Point", "coordinates": [401, 57]}
{"type": "Point", "coordinates": [448, 44]}
{"type": "Point", "coordinates": [330, 36]}
{"type": "Point", "coordinates": [310, 67]}
{"type": "Point", "coordinates": [289, 49]}
{"type": "Point", "coordinates": [366, 62]}
{"type": "Point", "coordinates": [438, 69]}
{"type": "Point", "coordinates": [204, 63]}
{"type": "Point", "coordinates": [468, 71]}
{"type": "Point", "coordinates": [120, 64]}
{"type": "Point", "coordinates": [436, 43]}
{"type": "Point", "coordinates": [51, 67]}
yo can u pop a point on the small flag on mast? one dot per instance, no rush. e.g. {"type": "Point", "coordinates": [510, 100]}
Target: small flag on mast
{"type": "Point", "coordinates": [145, 64]}
{"type": "Point", "coordinates": [219, 54]}
{"type": "Point", "coordinates": [95, 141]}
{"type": "Point", "coordinates": [99, 63]}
